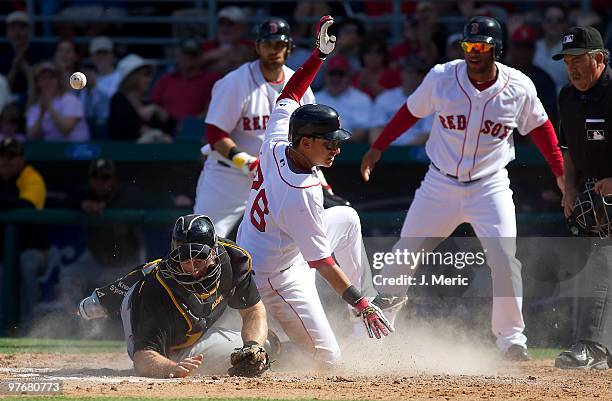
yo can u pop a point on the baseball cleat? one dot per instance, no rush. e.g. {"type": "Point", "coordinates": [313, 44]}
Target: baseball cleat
{"type": "Point", "coordinates": [90, 308]}
{"type": "Point", "coordinates": [517, 353]}
{"type": "Point", "coordinates": [390, 305]}
{"type": "Point", "coordinates": [583, 355]}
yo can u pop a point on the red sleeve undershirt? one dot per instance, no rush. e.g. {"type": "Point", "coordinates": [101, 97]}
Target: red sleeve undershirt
{"type": "Point", "coordinates": [401, 121]}
{"type": "Point", "coordinates": [302, 78]}
{"type": "Point", "coordinates": [545, 139]}
{"type": "Point", "coordinates": [214, 134]}
{"type": "Point", "coordinates": [328, 261]}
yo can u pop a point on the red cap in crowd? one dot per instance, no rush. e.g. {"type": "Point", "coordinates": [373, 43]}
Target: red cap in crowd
{"type": "Point", "coordinates": [338, 63]}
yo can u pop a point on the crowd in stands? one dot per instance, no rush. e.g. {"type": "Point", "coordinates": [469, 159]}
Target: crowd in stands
{"type": "Point", "coordinates": [129, 97]}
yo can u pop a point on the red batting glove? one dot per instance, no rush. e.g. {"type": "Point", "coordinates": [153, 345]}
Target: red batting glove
{"type": "Point", "coordinates": [373, 318]}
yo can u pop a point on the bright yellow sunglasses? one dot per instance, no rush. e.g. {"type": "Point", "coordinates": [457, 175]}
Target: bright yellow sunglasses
{"type": "Point", "coordinates": [476, 47]}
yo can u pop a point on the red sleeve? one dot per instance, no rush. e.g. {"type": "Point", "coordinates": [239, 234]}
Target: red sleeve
{"type": "Point", "coordinates": [214, 134]}
{"type": "Point", "coordinates": [401, 121]}
{"type": "Point", "coordinates": [545, 139]}
{"type": "Point", "coordinates": [328, 261]}
{"type": "Point", "coordinates": [301, 80]}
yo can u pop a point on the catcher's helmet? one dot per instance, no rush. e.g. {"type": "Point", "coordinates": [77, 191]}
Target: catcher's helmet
{"type": "Point", "coordinates": [316, 120]}
{"type": "Point", "coordinates": [274, 29]}
{"type": "Point", "coordinates": [194, 238]}
{"type": "Point", "coordinates": [486, 30]}
{"type": "Point", "coordinates": [592, 214]}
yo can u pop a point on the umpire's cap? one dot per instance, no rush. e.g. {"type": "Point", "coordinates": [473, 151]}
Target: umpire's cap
{"type": "Point", "coordinates": [274, 29]}
{"type": "Point", "coordinates": [316, 120]}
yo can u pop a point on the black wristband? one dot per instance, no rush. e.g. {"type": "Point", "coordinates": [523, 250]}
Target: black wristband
{"type": "Point", "coordinates": [232, 152]}
{"type": "Point", "coordinates": [322, 55]}
{"type": "Point", "coordinates": [352, 295]}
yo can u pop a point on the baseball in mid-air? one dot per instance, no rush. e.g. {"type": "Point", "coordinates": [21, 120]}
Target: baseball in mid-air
{"type": "Point", "coordinates": [78, 80]}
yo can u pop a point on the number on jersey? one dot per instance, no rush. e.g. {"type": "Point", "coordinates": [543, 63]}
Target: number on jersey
{"type": "Point", "coordinates": [259, 210]}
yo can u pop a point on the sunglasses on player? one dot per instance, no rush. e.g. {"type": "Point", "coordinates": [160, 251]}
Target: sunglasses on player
{"type": "Point", "coordinates": [476, 47]}
{"type": "Point", "coordinates": [330, 144]}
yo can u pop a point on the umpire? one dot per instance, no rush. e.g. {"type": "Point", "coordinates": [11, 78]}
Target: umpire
{"type": "Point", "coordinates": [169, 305]}
{"type": "Point", "coordinates": [585, 107]}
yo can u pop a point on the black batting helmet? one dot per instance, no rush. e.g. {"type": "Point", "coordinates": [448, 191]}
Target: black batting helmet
{"type": "Point", "coordinates": [592, 214]}
{"type": "Point", "coordinates": [194, 238]}
{"type": "Point", "coordinates": [275, 29]}
{"type": "Point", "coordinates": [486, 30]}
{"type": "Point", "coordinates": [316, 120]}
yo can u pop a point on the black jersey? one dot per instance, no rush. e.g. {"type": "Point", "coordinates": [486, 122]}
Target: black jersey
{"type": "Point", "coordinates": [165, 317]}
{"type": "Point", "coordinates": [586, 127]}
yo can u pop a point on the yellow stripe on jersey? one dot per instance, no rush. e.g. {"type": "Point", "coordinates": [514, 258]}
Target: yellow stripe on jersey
{"type": "Point", "coordinates": [192, 338]}
{"type": "Point", "coordinates": [242, 250]}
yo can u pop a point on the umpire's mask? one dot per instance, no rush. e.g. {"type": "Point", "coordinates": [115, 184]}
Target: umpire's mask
{"type": "Point", "coordinates": [592, 214]}
{"type": "Point", "coordinates": [194, 266]}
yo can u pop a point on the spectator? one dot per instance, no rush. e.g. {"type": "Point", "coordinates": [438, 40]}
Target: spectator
{"type": "Point", "coordinates": [185, 92]}
{"type": "Point", "coordinates": [375, 75]}
{"type": "Point", "coordinates": [230, 49]}
{"type": "Point", "coordinates": [423, 36]}
{"type": "Point", "coordinates": [54, 114]}
{"type": "Point", "coordinates": [104, 81]}
{"type": "Point", "coordinates": [16, 63]}
{"type": "Point", "coordinates": [453, 47]}
{"type": "Point", "coordinates": [5, 93]}
{"type": "Point", "coordinates": [66, 59]}
{"type": "Point", "coordinates": [10, 121]}
{"type": "Point", "coordinates": [522, 49]}
{"type": "Point", "coordinates": [389, 101]}
{"type": "Point", "coordinates": [353, 106]}
{"type": "Point", "coordinates": [22, 187]}
{"type": "Point", "coordinates": [131, 118]}
{"type": "Point", "coordinates": [350, 34]}
{"type": "Point", "coordinates": [111, 249]}
{"type": "Point", "coordinates": [554, 24]}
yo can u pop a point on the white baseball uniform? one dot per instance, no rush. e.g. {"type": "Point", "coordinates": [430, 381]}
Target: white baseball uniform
{"type": "Point", "coordinates": [241, 105]}
{"type": "Point", "coordinates": [471, 139]}
{"type": "Point", "coordinates": [284, 226]}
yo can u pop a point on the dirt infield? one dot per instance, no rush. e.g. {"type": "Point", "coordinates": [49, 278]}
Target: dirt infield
{"type": "Point", "coordinates": [109, 374]}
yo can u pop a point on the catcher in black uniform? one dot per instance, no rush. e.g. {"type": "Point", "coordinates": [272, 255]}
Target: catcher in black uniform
{"type": "Point", "coordinates": [169, 305]}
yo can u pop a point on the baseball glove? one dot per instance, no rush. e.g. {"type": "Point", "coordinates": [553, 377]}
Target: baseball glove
{"type": "Point", "coordinates": [249, 361]}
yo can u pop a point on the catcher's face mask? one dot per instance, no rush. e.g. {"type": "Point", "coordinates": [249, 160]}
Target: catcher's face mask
{"type": "Point", "coordinates": [592, 215]}
{"type": "Point", "coordinates": [196, 267]}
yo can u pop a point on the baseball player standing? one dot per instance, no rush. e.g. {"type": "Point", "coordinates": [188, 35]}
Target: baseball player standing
{"type": "Point", "coordinates": [287, 231]}
{"type": "Point", "coordinates": [237, 117]}
{"type": "Point", "coordinates": [477, 102]}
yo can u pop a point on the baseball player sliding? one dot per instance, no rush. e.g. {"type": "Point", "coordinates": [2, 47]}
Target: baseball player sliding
{"type": "Point", "coordinates": [287, 231]}
{"type": "Point", "coordinates": [478, 102]}
{"type": "Point", "coordinates": [237, 117]}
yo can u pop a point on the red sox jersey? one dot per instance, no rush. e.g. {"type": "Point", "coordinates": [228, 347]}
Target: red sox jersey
{"type": "Point", "coordinates": [242, 102]}
{"type": "Point", "coordinates": [284, 214]}
{"type": "Point", "coordinates": [471, 136]}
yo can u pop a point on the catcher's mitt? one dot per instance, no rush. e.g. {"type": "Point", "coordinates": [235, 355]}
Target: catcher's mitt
{"type": "Point", "coordinates": [249, 361]}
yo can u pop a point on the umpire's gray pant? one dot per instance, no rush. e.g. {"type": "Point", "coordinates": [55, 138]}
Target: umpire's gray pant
{"type": "Point", "coordinates": [216, 344]}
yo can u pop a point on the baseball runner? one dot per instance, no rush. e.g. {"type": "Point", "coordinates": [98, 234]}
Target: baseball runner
{"type": "Point", "coordinates": [169, 307]}
{"type": "Point", "coordinates": [237, 117]}
{"type": "Point", "coordinates": [288, 232]}
{"type": "Point", "coordinates": [477, 103]}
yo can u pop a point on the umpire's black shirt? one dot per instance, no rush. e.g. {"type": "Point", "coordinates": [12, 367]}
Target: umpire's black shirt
{"type": "Point", "coordinates": [586, 127]}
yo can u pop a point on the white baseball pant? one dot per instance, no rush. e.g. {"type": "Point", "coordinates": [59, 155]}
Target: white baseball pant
{"type": "Point", "coordinates": [439, 206]}
{"type": "Point", "coordinates": [222, 194]}
{"type": "Point", "coordinates": [291, 297]}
